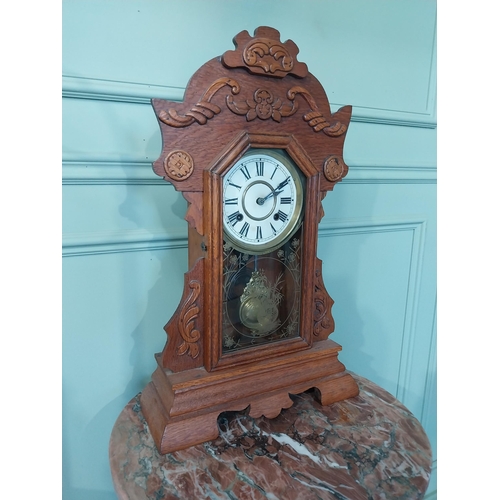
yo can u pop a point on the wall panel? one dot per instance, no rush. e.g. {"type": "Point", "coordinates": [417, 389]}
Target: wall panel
{"type": "Point", "coordinates": [373, 274]}
{"type": "Point", "coordinates": [114, 309]}
{"type": "Point", "coordinates": [124, 237]}
{"type": "Point", "coordinates": [109, 131]}
{"type": "Point", "coordinates": [100, 208]}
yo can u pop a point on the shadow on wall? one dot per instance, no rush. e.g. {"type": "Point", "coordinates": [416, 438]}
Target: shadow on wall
{"type": "Point", "coordinates": [341, 275]}
{"type": "Point", "coordinates": [352, 329]}
{"type": "Point", "coordinates": [85, 451]}
{"type": "Point", "coordinates": [157, 269]}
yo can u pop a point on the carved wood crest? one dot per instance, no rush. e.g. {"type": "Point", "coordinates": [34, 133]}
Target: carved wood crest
{"type": "Point", "coordinates": [260, 85]}
{"type": "Point", "coordinates": [265, 54]}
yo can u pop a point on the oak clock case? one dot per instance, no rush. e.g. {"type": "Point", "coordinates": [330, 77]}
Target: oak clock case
{"type": "Point", "coordinates": [254, 148]}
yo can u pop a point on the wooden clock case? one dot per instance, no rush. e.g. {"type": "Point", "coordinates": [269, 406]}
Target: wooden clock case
{"type": "Point", "coordinates": [256, 96]}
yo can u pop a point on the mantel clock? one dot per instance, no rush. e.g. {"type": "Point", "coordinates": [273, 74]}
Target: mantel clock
{"type": "Point", "coordinates": [254, 148]}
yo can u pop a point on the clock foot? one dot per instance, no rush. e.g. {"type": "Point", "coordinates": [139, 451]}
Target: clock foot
{"type": "Point", "coordinates": [173, 434]}
{"type": "Point", "coordinates": [335, 388]}
{"type": "Point", "coordinates": [181, 409]}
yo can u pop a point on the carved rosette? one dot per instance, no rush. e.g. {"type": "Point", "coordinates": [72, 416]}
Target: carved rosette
{"type": "Point", "coordinates": [179, 165]}
{"type": "Point", "coordinates": [323, 319]}
{"type": "Point", "coordinates": [334, 168]}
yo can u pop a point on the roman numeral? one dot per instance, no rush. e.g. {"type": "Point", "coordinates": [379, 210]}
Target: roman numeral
{"type": "Point", "coordinates": [234, 185]}
{"type": "Point", "coordinates": [272, 228]}
{"type": "Point", "coordinates": [259, 233]}
{"type": "Point", "coordinates": [285, 200]}
{"type": "Point", "coordinates": [231, 201]}
{"type": "Point", "coordinates": [244, 229]}
{"type": "Point", "coordinates": [276, 168]}
{"type": "Point", "coordinates": [260, 167]}
{"type": "Point", "coordinates": [244, 171]}
{"type": "Point", "coordinates": [234, 217]}
{"type": "Point", "coordinates": [282, 216]}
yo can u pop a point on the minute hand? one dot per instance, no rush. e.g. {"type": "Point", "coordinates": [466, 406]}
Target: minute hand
{"type": "Point", "coordinates": [277, 191]}
{"type": "Point", "coordinates": [281, 185]}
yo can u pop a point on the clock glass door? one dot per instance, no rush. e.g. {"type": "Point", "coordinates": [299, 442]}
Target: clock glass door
{"type": "Point", "coordinates": [263, 203]}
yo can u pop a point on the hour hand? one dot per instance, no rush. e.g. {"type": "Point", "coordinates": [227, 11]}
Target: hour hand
{"type": "Point", "coordinates": [278, 190]}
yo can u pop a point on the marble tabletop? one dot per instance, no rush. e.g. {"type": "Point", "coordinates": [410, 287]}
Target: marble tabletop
{"type": "Point", "coordinates": [366, 447]}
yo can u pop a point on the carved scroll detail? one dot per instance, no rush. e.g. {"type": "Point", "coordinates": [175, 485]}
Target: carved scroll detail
{"type": "Point", "coordinates": [269, 55]}
{"type": "Point", "coordinates": [189, 312]}
{"type": "Point", "coordinates": [264, 106]}
{"type": "Point", "coordinates": [315, 118]}
{"type": "Point", "coordinates": [265, 54]}
{"type": "Point", "coordinates": [204, 110]}
{"type": "Point", "coordinates": [323, 319]}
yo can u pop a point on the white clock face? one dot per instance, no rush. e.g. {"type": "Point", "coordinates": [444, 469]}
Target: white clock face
{"type": "Point", "coordinates": [262, 201]}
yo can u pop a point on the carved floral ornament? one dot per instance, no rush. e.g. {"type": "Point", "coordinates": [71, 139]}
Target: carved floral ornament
{"type": "Point", "coordinates": [263, 106]}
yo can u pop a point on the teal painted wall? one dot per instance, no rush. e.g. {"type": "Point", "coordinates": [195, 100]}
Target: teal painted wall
{"type": "Point", "coordinates": [124, 236]}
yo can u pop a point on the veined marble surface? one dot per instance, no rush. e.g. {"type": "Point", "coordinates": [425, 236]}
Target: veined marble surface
{"type": "Point", "coordinates": [367, 447]}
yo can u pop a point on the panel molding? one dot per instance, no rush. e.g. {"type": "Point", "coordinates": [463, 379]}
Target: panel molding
{"type": "Point", "coordinates": [76, 87]}
{"type": "Point", "coordinates": [432, 494]}
{"type": "Point", "coordinates": [134, 240]}
{"type": "Point", "coordinates": [96, 89]}
{"type": "Point", "coordinates": [425, 118]}
{"type": "Point", "coordinates": [98, 243]}
{"type": "Point", "coordinates": [431, 379]}
{"type": "Point", "coordinates": [391, 173]}
{"type": "Point", "coordinates": [105, 172]}
{"type": "Point", "coordinates": [381, 116]}
{"type": "Point", "coordinates": [111, 172]}
{"type": "Point", "coordinates": [417, 226]}
{"type": "Point", "coordinates": [108, 242]}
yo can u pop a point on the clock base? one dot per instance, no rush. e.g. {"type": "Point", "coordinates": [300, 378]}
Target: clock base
{"type": "Point", "coordinates": [181, 409]}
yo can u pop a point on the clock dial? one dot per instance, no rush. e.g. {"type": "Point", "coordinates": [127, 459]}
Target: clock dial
{"type": "Point", "coordinates": [262, 201]}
